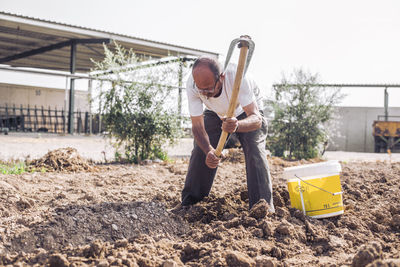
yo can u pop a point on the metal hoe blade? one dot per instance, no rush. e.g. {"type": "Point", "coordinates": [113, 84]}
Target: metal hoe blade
{"type": "Point", "coordinates": [244, 40]}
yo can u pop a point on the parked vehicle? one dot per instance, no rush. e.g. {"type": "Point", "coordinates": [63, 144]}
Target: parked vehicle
{"type": "Point", "coordinates": [387, 134]}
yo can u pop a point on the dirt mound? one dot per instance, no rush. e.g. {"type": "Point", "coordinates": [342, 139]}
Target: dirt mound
{"type": "Point", "coordinates": [216, 208]}
{"type": "Point", "coordinates": [62, 159]}
{"type": "Point", "coordinates": [80, 225]}
{"type": "Point", "coordinates": [234, 155]}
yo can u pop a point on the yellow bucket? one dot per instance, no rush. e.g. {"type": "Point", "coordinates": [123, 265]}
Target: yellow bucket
{"type": "Point", "coordinates": [315, 188]}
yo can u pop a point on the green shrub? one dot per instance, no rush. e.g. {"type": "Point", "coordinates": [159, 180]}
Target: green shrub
{"type": "Point", "coordinates": [302, 112]}
{"type": "Point", "coordinates": [135, 106]}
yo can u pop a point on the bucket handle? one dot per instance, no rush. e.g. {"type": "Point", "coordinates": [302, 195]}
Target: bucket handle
{"type": "Point", "coordinates": [333, 194]}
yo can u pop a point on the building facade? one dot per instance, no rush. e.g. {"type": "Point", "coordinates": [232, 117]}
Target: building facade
{"type": "Point", "coordinates": [17, 95]}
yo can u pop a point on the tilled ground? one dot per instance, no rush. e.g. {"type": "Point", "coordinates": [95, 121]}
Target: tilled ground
{"type": "Point", "coordinates": [123, 215]}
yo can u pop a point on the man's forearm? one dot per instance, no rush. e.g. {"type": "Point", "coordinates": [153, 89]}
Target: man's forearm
{"type": "Point", "coordinates": [202, 140]}
{"type": "Point", "coordinates": [250, 123]}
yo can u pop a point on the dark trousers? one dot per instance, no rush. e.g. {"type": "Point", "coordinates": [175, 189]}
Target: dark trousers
{"type": "Point", "coordinates": [199, 178]}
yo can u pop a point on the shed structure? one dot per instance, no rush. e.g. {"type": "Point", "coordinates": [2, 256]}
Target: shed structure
{"type": "Point", "coordinates": [27, 42]}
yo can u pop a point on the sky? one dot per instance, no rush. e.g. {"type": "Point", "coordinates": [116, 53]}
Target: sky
{"type": "Point", "coordinates": [343, 41]}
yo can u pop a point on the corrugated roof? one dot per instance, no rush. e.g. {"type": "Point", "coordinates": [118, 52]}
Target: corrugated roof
{"type": "Point", "coordinates": [20, 34]}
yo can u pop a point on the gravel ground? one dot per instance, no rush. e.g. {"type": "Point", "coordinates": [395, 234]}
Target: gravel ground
{"type": "Point", "coordinates": [18, 146]}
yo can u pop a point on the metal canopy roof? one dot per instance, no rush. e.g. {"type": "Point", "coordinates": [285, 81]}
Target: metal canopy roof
{"type": "Point", "coordinates": [36, 43]}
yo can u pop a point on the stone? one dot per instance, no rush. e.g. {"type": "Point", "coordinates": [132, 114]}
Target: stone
{"type": "Point", "coordinates": [396, 221]}
{"type": "Point", "coordinates": [385, 263]}
{"type": "Point", "coordinates": [266, 227]}
{"type": "Point", "coordinates": [237, 259]}
{"type": "Point", "coordinates": [264, 261]}
{"type": "Point", "coordinates": [259, 210]}
{"type": "Point", "coordinates": [58, 260]}
{"type": "Point", "coordinates": [169, 263]}
{"type": "Point", "coordinates": [284, 229]}
{"type": "Point", "coordinates": [367, 254]}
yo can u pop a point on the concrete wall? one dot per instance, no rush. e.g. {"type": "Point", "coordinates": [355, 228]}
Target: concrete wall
{"type": "Point", "coordinates": [354, 128]}
{"type": "Point", "coordinates": [11, 94]}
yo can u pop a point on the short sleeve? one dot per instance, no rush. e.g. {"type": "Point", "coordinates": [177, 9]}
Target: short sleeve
{"type": "Point", "coordinates": [194, 101]}
{"type": "Point", "coordinates": [246, 94]}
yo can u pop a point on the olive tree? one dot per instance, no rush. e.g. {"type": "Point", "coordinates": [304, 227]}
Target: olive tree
{"type": "Point", "coordinates": [303, 111]}
{"type": "Point", "coordinates": [135, 102]}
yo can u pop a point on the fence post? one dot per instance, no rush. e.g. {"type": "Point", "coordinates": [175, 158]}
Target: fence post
{"type": "Point", "coordinates": [7, 126]}
{"type": "Point", "coordinates": [14, 119]}
{"type": "Point", "coordinates": [94, 124]}
{"type": "Point", "coordinates": [49, 113]}
{"type": "Point", "coordinates": [79, 126]}
{"type": "Point", "coordinates": [36, 119]}
{"type": "Point", "coordinates": [56, 116]}
{"type": "Point", "coordinates": [63, 119]}
{"type": "Point", "coordinates": [86, 122]}
{"type": "Point", "coordinates": [43, 119]}
{"type": "Point", "coordinates": [29, 117]}
{"type": "Point", "coordinates": [22, 116]}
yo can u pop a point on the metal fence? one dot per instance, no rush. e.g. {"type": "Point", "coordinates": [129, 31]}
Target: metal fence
{"type": "Point", "coordinates": [40, 119]}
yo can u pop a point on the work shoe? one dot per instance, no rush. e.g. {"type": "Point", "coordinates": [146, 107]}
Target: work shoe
{"type": "Point", "coordinates": [179, 208]}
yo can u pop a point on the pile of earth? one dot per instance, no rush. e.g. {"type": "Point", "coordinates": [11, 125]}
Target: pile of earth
{"type": "Point", "coordinates": [233, 155]}
{"type": "Point", "coordinates": [80, 225]}
{"type": "Point", "coordinates": [125, 215]}
{"type": "Point", "coordinates": [62, 159]}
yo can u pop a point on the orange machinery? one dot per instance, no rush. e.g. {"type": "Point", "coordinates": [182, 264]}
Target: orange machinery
{"type": "Point", "coordinates": [386, 134]}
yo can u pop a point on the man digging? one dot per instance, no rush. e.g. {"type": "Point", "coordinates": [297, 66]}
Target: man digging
{"type": "Point", "coordinates": [211, 86]}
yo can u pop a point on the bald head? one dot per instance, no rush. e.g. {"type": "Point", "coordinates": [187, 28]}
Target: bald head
{"type": "Point", "coordinates": [207, 76]}
{"type": "Point", "coordinates": [208, 63]}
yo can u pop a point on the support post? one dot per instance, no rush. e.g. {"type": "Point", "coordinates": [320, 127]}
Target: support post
{"type": "Point", "coordinates": [180, 76]}
{"type": "Point", "coordinates": [72, 90]}
{"type": "Point", "coordinates": [64, 114]}
{"type": "Point", "coordinates": [386, 101]}
{"type": "Point", "coordinates": [90, 84]}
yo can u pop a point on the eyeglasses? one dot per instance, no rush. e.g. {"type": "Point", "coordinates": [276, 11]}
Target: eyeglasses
{"type": "Point", "coordinates": [210, 89]}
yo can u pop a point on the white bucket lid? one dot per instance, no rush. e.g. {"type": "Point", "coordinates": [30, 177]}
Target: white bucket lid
{"type": "Point", "coordinates": [331, 166]}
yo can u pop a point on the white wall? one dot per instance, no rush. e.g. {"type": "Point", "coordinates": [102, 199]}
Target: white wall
{"type": "Point", "coordinates": [11, 94]}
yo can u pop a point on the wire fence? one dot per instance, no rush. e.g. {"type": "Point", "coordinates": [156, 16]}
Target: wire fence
{"type": "Point", "coordinates": [40, 119]}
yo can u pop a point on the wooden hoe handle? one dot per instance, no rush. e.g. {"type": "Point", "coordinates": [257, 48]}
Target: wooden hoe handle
{"type": "Point", "coordinates": [232, 103]}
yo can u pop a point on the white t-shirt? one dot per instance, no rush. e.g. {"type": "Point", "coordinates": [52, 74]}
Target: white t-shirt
{"type": "Point", "coordinates": [220, 104]}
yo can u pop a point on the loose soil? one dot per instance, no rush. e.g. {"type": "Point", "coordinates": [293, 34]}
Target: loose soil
{"type": "Point", "coordinates": [77, 214]}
